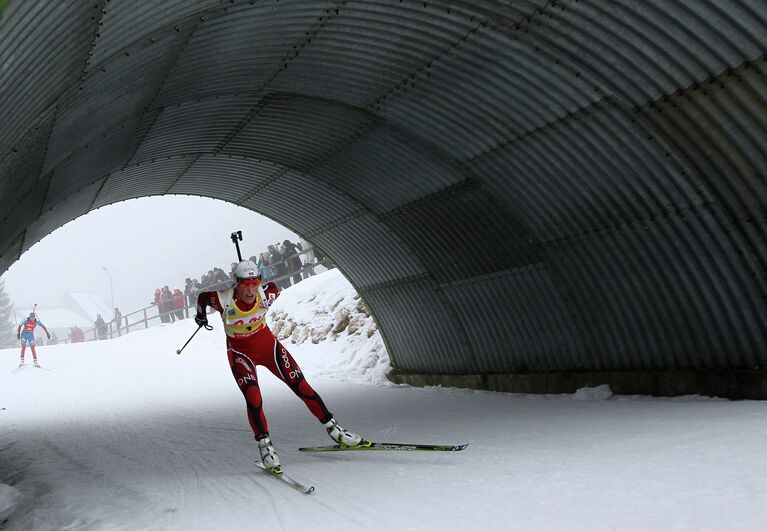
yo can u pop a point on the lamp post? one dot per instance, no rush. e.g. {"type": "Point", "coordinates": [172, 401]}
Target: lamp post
{"type": "Point", "coordinates": [111, 289]}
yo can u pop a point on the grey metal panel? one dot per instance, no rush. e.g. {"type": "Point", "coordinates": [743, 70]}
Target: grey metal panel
{"type": "Point", "coordinates": [298, 131]}
{"type": "Point", "coordinates": [656, 295]}
{"type": "Point", "coordinates": [608, 288]}
{"type": "Point", "coordinates": [501, 13]}
{"type": "Point", "coordinates": [737, 288]}
{"type": "Point", "coordinates": [150, 178]}
{"type": "Point", "coordinates": [123, 22]}
{"type": "Point", "coordinates": [11, 251]}
{"type": "Point", "coordinates": [111, 96]}
{"type": "Point", "coordinates": [749, 247]}
{"type": "Point", "coordinates": [240, 49]}
{"type": "Point", "coordinates": [422, 327]}
{"type": "Point", "coordinates": [226, 177]}
{"type": "Point", "coordinates": [192, 127]}
{"type": "Point", "coordinates": [353, 244]}
{"type": "Point", "coordinates": [106, 154]}
{"type": "Point", "coordinates": [20, 169]}
{"type": "Point", "coordinates": [296, 197]}
{"type": "Point", "coordinates": [372, 46]}
{"type": "Point", "coordinates": [387, 168]}
{"type": "Point", "coordinates": [529, 329]}
{"type": "Point", "coordinates": [593, 170]}
{"type": "Point", "coordinates": [62, 213]}
{"type": "Point", "coordinates": [487, 91]}
{"type": "Point", "coordinates": [39, 60]}
{"type": "Point", "coordinates": [645, 50]}
{"type": "Point", "coordinates": [717, 132]}
{"type": "Point", "coordinates": [463, 232]}
{"type": "Point", "coordinates": [20, 215]}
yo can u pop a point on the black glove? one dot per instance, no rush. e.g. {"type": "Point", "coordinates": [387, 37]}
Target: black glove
{"type": "Point", "coordinates": [201, 320]}
{"type": "Point", "coordinates": [49, 336]}
{"type": "Point", "coordinates": [18, 336]}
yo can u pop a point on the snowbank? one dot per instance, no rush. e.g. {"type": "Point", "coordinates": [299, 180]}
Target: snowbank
{"type": "Point", "coordinates": [327, 325]}
{"type": "Point", "coordinates": [600, 392]}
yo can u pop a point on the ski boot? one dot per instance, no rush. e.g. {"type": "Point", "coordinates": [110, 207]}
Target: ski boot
{"type": "Point", "coordinates": [21, 362]}
{"type": "Point", "coordinates": [268, 455]}
{"type": "Point", "coordinates": [36, 363]}
{"type": "Point", "coordinates": [342, 436]}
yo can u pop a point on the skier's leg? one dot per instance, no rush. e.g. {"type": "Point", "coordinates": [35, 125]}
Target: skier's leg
{"type": "Point", "coordinates": [244, 371]}
{"type": "Point", "coordinates": [34, 352]}
{"type": "Point", "coordinates": [23, 348]}
{"type": "Point", "coordinates": [284, 367]}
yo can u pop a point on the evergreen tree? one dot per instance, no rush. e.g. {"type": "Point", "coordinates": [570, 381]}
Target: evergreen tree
{"type": "Point", "coordinates": [7, 325]}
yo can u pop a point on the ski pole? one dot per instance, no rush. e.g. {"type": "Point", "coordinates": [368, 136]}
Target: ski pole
{"type": "Point", "coordinates": [235, 237]}
{"type": "Point", "coordinates": [207, 327]}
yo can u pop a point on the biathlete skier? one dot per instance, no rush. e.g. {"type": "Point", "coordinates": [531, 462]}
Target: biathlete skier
{"type": "Point", "coordinates": [249, 343]}
{"type": "Point", "coordinates": [27, 336]}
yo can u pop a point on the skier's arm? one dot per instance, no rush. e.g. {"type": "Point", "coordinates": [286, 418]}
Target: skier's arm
{"type": "Point", "coordinates": [272, 291]}
{"type": "Point", "coordinates": [205, 299]}
{"type": "Point", "coordinates": [18, 331]}
{"type": "Point", "coordinates": [46, 330]}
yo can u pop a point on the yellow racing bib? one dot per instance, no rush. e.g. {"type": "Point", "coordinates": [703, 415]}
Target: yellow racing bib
{"type": "Point", "coordinates": [242, 323]}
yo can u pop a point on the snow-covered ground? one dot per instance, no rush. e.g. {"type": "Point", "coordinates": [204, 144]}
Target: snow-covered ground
{"type": "Point", "coordinates": [125, 434]}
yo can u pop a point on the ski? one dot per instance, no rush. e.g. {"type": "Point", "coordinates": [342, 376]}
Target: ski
{"type": "Point", "coordinates": [397, 447]}
{"type": "Point", "coordinates": [17, 369]}
{"type": "Point", "coordinates": [287, 479]}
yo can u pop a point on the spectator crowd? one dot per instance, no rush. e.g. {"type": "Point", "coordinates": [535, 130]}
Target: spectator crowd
{"type": "Point", "coordinates": [281, 263]}
{"type": "Point", "coordinates": [76, 335]}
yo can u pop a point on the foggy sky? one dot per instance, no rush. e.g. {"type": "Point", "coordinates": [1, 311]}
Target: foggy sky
{"type": "Point", "coordinates": [144, 244]}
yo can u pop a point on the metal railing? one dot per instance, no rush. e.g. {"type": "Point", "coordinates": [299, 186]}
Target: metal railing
{"type": "Point", "coordinates": [112, 329]}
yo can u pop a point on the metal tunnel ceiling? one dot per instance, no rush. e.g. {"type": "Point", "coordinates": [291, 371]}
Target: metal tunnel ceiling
{"type": "Point", "coordinates": [512, 186]}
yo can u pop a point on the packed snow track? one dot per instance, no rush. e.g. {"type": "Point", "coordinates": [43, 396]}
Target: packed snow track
{"type": "Point", "coordinates": [125, 434]}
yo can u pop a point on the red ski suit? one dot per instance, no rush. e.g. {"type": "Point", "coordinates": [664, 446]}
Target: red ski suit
{"type": "Point", "coordinates": [250, 343]}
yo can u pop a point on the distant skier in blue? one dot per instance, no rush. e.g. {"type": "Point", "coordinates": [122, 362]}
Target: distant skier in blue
{"type": "Point", "coordinates": [27, 336]}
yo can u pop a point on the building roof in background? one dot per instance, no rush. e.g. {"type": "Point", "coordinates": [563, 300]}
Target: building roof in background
{"type": "Point", "coordinates": [61, 317]}
{"type": "Point", "coordinates": [88, 304]}
{"type": "Point", "coordinates": [77, 308]}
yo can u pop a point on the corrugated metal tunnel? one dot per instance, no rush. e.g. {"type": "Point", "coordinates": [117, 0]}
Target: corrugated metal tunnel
{"type": "Point", "coordinates": [593, 172]}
